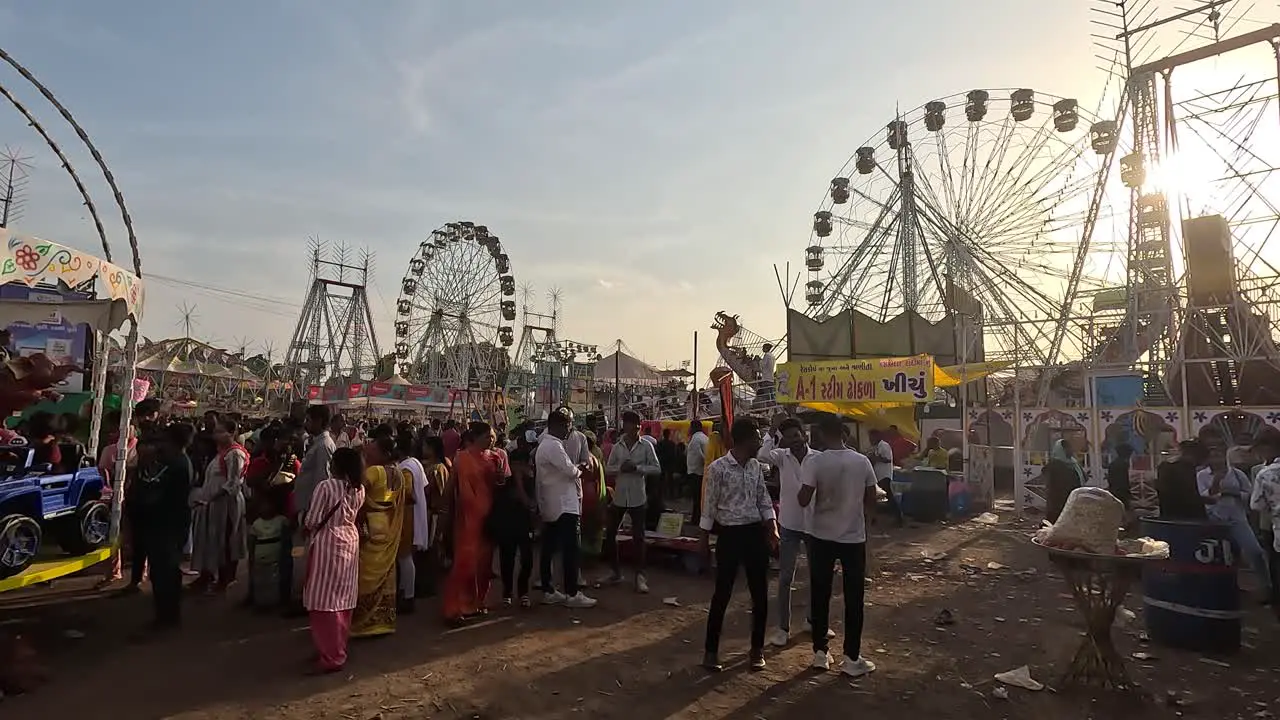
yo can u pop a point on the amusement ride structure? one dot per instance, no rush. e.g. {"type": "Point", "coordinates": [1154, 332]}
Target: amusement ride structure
{"type": "Point", "coordinates": [1014, 225]}
{"type": "Point", "coordinates": [334, 339]}
{"type": "Point", "coordinates": [455, 314]}
{"type": "Point", "coordinates": [1121, 262]}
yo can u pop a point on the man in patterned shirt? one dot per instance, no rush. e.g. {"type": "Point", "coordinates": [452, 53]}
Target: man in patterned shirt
{"type": "Point", "coordinates": [737, 505]}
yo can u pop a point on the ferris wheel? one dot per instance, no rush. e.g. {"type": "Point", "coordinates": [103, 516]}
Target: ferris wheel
{"type": "Point", "coordinates": [976, 203]}
{"type": "Point", "coordinates": [456, 308]}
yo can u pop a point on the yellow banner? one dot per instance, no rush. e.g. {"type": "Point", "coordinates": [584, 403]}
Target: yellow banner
{"type": "Point", "coordinates": [900, 380]}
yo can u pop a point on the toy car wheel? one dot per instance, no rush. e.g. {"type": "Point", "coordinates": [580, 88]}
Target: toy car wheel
{"type": "Point", "coordinates": [91, 529]}
{"type": "Point", "coordinates": [19, 543]}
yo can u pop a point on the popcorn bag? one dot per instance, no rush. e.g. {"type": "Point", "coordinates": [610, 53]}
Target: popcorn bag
{"type": "Point", "coordinates": [1090, 522]}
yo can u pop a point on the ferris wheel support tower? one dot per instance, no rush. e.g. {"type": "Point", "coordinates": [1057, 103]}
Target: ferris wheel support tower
{"type": "Point", "coordinates": [1217, 335]}
{"type": "Point", "coordinates": [334, 337]}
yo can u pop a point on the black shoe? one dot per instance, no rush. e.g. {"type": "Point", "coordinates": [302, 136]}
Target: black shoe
{"type": "Point", "coordinates": [711, 662]}
{"type": "Point", "coordinates": [757, 660]}
{"type": "Point", "coordinates": [404, 607]}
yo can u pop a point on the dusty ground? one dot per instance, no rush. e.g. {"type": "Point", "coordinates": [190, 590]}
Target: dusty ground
{"type": "Point", "coordinates": [634, 657]}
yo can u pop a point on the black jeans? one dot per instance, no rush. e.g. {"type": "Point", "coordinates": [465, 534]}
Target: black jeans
{"type": "Point", "coordinates": [823, 555]}
{"type": "Point", "coordinates": [508, 549]}
{"type": "Point", "coordinates": [748, 547]}
{"type": "Point", "coordinates": [637, 515]}
{"type": "Point", "coordinates": [696, 482]}
{"type": "Point", "coordinates": [887, 486]}
{"type": "Point", "coordinates": [561, 535]}
{"type": "Point", "coordinates": [164, 556]}
{"type": "Point", "coordinates": [141, 536]}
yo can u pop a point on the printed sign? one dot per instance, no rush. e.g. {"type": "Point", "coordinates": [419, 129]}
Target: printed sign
{"type": "Point", "coordinates": [890, 380]}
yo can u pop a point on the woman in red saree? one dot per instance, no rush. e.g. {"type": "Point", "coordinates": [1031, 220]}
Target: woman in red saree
{"type": "Point", "coordinates": [475, 470]}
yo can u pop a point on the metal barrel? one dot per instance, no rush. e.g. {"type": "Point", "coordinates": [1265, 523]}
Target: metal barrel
{"type": "Point", "coordinates": [1192, 600]}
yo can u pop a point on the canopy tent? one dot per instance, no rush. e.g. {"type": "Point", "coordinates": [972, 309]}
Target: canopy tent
{"type": "Point", "coordinates": [621, 367]}
{"type": "Point", "coordinates": [186, 356]}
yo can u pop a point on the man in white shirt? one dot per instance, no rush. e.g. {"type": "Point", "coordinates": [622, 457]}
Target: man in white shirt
{"type": "Point", "coordinates": [881, 456]}
{"type": "Point", "coordinates": [767, 364]}
{"type": "Point", "coordinates": [631, 459]}
{"type": "Point", "coordinates": [787, 448]}
{"type": "Point", "coordinates": [840, 484]}
{"type": "Point", "coordinates": [406, 567]}
{"type": "Point", "coordinates": [695, 456]}
{"type": "Point", "coordinates": [740, 509]}
{"type": "Point", "coordinates": [559, 485]}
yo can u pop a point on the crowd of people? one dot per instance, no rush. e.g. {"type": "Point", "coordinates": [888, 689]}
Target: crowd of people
{"type": "Point", "coordinates": [349, 522]}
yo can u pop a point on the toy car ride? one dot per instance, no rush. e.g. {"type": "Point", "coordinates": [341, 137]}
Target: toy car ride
{"type": "Point", "coordinates": [36, 501]}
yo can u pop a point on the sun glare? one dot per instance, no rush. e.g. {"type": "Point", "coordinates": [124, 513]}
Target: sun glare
{"type": "Point", "coordinates": [1185, 174]}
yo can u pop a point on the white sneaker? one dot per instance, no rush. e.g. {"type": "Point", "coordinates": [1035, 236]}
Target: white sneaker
{"type": "Point", "coordinates": [778, 638]}
{"type": "Point", "coordinates": [642, 585]}
{"type": "Point", "coordinates": [821, 661]}
{"type": "Point", "coordinates": [858, 667]}
{"type": "Point", "coordinates": [580, 601]}
{"type": "Point", "coordinates": [555, 597]}
{"type": "Point", "coordinates": [808, 627]}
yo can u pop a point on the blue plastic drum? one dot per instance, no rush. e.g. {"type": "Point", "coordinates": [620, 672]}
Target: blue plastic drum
{"type": "Point", "coordinates": [1192, 600]}
{"type": "Point", "coordinates": [900, 486]}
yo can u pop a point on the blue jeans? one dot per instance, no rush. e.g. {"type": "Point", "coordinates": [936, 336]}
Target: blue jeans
{"type": "Point", "coordinates": [791, 541]}
{"type": "Point", "coordinates": [1247, 545]}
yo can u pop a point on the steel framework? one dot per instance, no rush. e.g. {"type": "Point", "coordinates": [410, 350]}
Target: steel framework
{"type": "Point", "coordinates": [334, 340]}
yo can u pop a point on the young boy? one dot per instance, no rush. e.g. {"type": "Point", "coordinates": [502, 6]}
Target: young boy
{"type": "Point", "coordinates": [265, 536]}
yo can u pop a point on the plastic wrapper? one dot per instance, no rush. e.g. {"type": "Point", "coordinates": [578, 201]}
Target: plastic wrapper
{"type": "Point", "coordinates": [1090, 522]}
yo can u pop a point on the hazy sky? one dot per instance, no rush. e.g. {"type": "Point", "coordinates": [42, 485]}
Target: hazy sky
{"type": "Point", "coordinates": [654, 160]}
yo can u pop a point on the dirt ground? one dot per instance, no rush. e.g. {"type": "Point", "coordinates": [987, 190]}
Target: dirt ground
{"type": "Point", "coordinates": [636, 657]}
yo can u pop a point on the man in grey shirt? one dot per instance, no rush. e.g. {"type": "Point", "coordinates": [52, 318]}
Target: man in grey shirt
{"type": "Point", "coordinates": [315, 461]}
{"type": "Point", "coordinates": [632, 460]}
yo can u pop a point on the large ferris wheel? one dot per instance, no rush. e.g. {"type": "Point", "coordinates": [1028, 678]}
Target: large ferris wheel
{"type": "Point", "coordinates": [456, 308]}
{"type": "Point", "coordinates": [976, 203]}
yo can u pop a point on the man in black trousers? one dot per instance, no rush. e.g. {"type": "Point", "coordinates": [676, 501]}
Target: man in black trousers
{"type": "Point", "coordinates": [738, 507]}
{"type": "Point", "coordinates": [162, 515]}
{"type": "Point", "coordinates": [839, 485]}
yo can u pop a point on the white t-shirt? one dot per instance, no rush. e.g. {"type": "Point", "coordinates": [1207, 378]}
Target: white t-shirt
{"type": "Point", "coordinates": [695, 453]}
{"type": "Point", "coordinates": [884, 470]}
{"type": "Point", "coordinates": [559, 483]}
{"type": "Point", "coordinates": [840, 479]}
{"type": "Point", "coordinates": [767, 363]}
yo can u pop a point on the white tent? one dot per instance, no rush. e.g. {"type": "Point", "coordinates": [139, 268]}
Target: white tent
{"type": "Point", "coordinates": [623, 368]}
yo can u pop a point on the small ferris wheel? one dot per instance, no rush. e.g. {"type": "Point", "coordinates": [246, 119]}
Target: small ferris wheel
{"type": "Point", "coordinates": [456, 308]}
{"type": "Point", "coordinates": [976, 203]}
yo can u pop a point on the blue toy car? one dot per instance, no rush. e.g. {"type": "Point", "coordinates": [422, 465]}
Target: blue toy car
{"type": "Point", "coordinates": [35, 501]}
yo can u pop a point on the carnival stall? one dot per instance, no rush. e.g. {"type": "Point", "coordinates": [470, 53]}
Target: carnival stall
{"type": "Point", "coordinates": [58, 521]}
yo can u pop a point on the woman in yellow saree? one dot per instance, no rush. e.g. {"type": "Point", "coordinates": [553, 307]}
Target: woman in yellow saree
{"type": "Point", "coordinates": [386, 504]}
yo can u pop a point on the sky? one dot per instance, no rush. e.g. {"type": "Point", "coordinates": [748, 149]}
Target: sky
{"type": "Point", "coordinates": [652, 160]}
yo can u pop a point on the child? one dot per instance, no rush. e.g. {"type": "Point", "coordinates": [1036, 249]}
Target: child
{"type": "Point", "coordinates": [511, 521]}
{"type": "Point", "coordinates": [265, 536]}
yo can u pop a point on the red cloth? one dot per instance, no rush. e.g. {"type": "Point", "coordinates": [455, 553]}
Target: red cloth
{"type": "Point", "coordinates": [330, 632]}
{"type": "Point", "coordinates": [468, 584]}
{"type": "Point", "coordinates": [902, 448]}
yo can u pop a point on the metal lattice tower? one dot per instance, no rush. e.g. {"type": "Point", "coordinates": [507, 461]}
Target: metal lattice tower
{"type": "Point", "coordinates": [15, 169]}
{"type": "Point", "coordinates": [334, 340]}
{"type": "Point", "coordinates": [1154, 312]}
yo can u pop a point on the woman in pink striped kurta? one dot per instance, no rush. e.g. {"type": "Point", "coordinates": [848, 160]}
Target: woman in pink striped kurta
{"type": "Point", "coordinates": [333, 557]}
